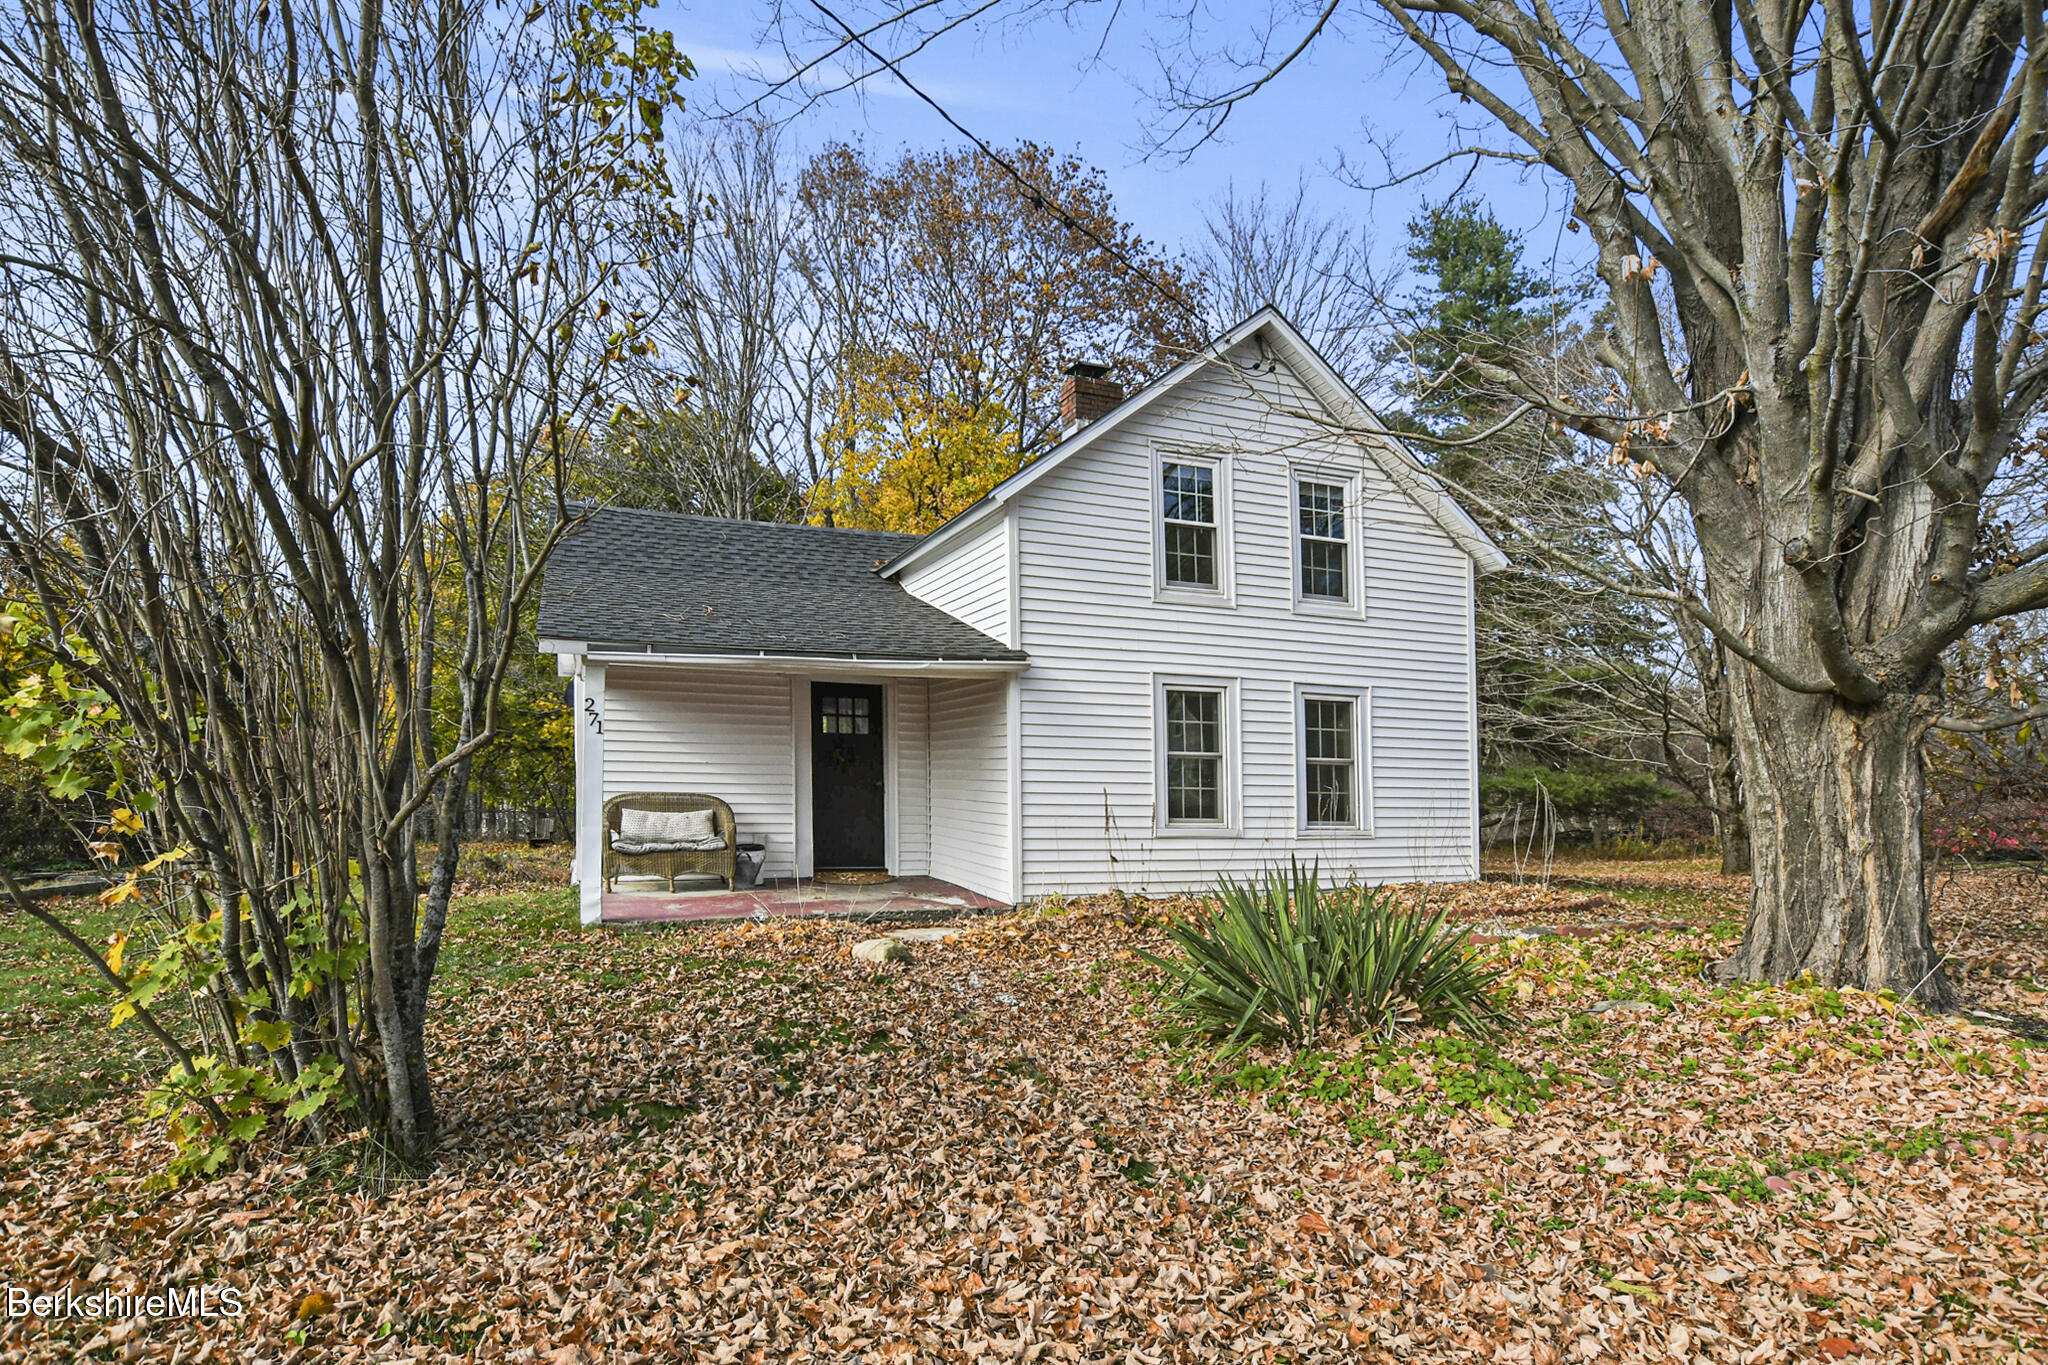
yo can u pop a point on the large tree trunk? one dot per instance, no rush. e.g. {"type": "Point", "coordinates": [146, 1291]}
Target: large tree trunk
{"type": "Point", "coordinates": [1833, 794]}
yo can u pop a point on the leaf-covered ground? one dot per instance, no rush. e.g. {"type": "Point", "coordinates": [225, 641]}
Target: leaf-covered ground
{"type": "Point", "coordinates": [738, 1144]}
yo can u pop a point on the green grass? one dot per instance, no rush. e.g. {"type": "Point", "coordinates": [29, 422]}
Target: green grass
{"type": "Point", "coordinates": [1429, 1080]}
{"type": "Point", "coordinates": [789, 1040]}
{"type": "Point", "coordinates": [498, 938]}
{"type": "Point", "coordinates": [56, 1047]}
{"type": "Point", "coordinates": [657, 1115]}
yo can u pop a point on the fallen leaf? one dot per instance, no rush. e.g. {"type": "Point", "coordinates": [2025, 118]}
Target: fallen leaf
{"type": "Point", "coordinates": [878, 1176]}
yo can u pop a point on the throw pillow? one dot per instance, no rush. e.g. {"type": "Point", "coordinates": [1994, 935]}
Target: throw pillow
{"type": "Point", "coordinates": [666, 826]}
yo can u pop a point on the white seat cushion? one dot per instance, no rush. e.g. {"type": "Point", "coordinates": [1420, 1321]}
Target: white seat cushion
{"type": "Point", "coordinates": [621, 844]}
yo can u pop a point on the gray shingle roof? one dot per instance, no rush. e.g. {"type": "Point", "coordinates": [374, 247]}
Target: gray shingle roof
{"type": "Point", "coordinates": [706, 585]}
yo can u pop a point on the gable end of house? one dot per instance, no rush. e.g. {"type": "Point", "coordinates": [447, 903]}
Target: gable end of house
{"type": "Point", "coordinates": [1344, 415]}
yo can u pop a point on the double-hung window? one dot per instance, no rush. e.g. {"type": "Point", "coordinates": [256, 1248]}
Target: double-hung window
{"type": "Point", "coordinates": [1188, 500]}
{"type": "Point", "coordinates": [1324, 544]}
{"type": "Point", "coordinates": [1194, 739]}
{"type": "Point", "coordinates": [1331, 789]}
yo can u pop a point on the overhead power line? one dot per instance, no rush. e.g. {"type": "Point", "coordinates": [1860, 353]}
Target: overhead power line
{"type": "Point", "coordinates": [1040, 197]}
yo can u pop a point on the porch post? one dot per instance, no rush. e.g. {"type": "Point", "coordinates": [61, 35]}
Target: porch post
{"type": "Point", "coordinates": [1013, 701]}
{"type": "Point", "coordinates": [590, 790]}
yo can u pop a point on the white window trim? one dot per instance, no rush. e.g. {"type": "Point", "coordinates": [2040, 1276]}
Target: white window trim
{"type": "Point", "coordinates": [1349, 479]}
{"type": "Point", "coordinates": [1233, 756]}
{"type": "Point", "coordinates": [1224, 594]}
{"type": "Point", "coordinates": [1361, 739]}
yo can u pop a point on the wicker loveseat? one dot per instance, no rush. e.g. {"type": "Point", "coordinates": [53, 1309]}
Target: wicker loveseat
{"type": "Point", "coordinates": [721, 862]}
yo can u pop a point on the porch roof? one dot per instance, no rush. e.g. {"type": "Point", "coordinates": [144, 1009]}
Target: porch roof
{"type": "Point", "coordinates": [666, 582]}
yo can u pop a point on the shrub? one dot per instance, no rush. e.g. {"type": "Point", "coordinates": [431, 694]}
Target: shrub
{"type": "Point", "coordinates": [1642, 846]}
{"type": "Point", "coordinates": [1284, 959]}
{"type": "Point", "coordinates": [37, 831]}
{"type": "Point", "coordinates": [1580, 791]}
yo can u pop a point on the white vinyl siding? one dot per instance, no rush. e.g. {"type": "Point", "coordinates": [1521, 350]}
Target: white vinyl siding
{"type": "Point", "coordinates": [1099, 632]}
{"type": "Point", "coordinates": [971, 581]}
{"type": "Point", "coordinates": [910, 777]}
{"type": "Point", "coordinates": [970, 784]}
{"type": "Point", "coordinates": [722, 733]}
{"type": "Point", "coordinates": [1050, 781]}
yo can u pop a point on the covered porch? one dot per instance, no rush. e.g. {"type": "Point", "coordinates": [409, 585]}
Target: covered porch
{"type": "Point", "coordinates": [898, 769]}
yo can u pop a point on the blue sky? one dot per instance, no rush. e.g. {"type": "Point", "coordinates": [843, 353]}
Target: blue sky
{"type": "Point", "coordinates": [1038, 82]}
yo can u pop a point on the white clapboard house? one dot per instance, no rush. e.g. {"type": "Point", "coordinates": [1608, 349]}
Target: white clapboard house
{"type": "Point", "coordinates": [1227, 621]}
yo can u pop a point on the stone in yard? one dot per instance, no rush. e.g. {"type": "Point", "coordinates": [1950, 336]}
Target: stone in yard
{"type": "Point", "coordinates": [881, 950]}
{"type": "Point", "coordinates": [1622, 1007]}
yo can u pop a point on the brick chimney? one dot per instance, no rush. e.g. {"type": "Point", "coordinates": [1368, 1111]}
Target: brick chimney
{"type": "Point", "coordinates": [1089, 393]}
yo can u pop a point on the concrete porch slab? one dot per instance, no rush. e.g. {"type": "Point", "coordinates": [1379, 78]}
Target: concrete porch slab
{"type": "Point", "coordinates": [910, 898]}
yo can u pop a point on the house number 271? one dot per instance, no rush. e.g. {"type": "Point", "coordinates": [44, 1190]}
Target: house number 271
{"type": "Point", "coordinates": [590, 714]}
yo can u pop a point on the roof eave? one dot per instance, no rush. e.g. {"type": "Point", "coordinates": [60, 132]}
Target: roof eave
{"type": "Point", "coordinates": [772, 661]}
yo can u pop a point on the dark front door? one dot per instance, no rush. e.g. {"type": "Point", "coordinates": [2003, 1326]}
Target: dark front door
{"type": "Point", "coordinates": [846, 776]}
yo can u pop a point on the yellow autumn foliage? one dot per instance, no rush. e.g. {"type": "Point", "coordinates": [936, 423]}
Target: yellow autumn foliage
{"type": "Point", "coordinates": [909, 459]}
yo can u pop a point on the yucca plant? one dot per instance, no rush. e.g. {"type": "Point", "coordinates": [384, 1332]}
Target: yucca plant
{"type": "Point", "coordinates": [1284, 959]}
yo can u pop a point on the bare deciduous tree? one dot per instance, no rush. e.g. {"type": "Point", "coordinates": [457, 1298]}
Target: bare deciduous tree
{"type": "Point", "coordinates": [300, 314]}
{"type": "Point", "coordinates": [986, 283]}
{"type": "Point", "coordinates": [728, 269]}
{"type": "Point", "coordinates": [1316, 268]}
